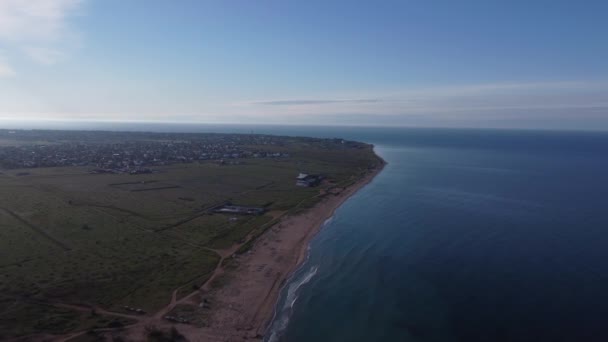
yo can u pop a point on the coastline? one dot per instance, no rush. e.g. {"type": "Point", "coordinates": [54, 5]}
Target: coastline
{"type": "Point", "coordinates": [237, 302]}
{"type": "Point", "coordinates": [243, 307]}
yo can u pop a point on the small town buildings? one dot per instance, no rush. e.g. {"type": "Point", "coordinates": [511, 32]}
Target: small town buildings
{"type": "Point", "coordinates": [238, 209]}
{"type": "Point", "coordinates": [306, 180]}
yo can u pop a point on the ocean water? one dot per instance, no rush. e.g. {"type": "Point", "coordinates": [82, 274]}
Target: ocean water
{"type": "Point", "coordinates": [467, 235]}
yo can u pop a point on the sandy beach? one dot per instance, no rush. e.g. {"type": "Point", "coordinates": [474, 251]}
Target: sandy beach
{"type": "Point", "coordinates": [237, 302]}
{"type": "Point", "coordinates": [244, 305]}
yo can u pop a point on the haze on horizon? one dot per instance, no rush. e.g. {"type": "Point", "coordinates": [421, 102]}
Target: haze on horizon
{"type": "Point", "coordinates": [516, 64]}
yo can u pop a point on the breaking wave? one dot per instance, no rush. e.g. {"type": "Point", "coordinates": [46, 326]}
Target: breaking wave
{"type": "Point", "coordinates": [283, 313]}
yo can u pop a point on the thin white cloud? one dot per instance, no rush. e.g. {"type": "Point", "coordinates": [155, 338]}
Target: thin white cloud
{"type": "Point", "coordinates": [455, 101]}
{"type": "Point", "coordinates": [582, 104]}
{"type": "Point", "coordinates": [493, 88]}
{"type": "Point", "coordinates": [38, 29]}
{"type": "Point", "coordinates": [302, 102]}
{"type": "Point", "coordinates": [44, 55]}
{"type": "Point", "coordinates": [5, 69]}
{"type": "Point", "coordinates": [35, 20]}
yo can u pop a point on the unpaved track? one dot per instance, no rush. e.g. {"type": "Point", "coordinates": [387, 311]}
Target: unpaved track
{"type": "Point", "coordinates": [37, 229]}
{"type": "Point", "coordinates": [244, 316]}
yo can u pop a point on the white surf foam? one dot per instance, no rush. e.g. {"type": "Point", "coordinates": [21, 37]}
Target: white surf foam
{"type": "Point", "coordinates": [282, 316]}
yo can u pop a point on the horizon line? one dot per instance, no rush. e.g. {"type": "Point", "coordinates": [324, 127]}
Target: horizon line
{"type": "Point", "coordinates": [163, 122]}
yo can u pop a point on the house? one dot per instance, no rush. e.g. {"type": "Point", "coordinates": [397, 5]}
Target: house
{"type": "Point", "coordinates": [238, 209]}
{"type": "Point", "coordinates": [306, 180]}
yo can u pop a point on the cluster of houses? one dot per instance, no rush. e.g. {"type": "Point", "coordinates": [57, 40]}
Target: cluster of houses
{"type": "Point", "coordinates": [229, 208]}
{"type": "Point", "coordinates": [127, 157]}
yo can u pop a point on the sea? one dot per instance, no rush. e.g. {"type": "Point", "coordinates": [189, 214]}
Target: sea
{"type": "Point", "coordinates": [466, 235]}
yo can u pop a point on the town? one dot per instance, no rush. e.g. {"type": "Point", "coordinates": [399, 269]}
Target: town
{"type": "Point", "coordinates": [137, 153]}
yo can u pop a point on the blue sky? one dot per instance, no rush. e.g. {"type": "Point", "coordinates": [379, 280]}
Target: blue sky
{"type": "Point", "coordinates": [529, 64]}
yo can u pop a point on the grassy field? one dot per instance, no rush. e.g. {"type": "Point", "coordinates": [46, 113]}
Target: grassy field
{"type": "Point", "coordinates": [109, 240]}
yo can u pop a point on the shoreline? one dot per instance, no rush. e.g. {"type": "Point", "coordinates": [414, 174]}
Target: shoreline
{"type": "Point", "coordinates": [248, 299]}
{"type": "Point", "coordinates": [238, 301]}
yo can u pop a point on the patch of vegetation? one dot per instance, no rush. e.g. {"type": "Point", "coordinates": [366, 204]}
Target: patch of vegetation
{"type": "Point", "coordinates": [30, 318]}
{"type": "Point", "coordinates": [69, 236]}
{"type": "Point", "coordinates": [156, 335]}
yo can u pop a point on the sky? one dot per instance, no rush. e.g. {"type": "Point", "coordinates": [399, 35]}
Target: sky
{"type": "Point", "coordinates": [503, 64]}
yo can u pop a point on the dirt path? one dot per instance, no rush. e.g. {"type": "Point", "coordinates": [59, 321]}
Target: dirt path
{"type": "Point", "coordinates": [244, 306]}
{"type": "Point", "coordinates": [98, 311]}
{"type": "Point", "coordinates": [143, 321]}
{"type": "Point", "coordinates": [37, 229]}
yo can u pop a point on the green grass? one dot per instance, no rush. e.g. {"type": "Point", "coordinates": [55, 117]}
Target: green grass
{"type": "Point", "coordinates": [29, 318]}
{"type": "Point", "coordinates": [83, 238]}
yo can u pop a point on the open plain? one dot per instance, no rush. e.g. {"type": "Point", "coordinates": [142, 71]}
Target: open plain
{"type": "Point", "coordinates": [83, 252]}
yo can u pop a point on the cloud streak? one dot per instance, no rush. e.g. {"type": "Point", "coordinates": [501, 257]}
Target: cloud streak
{"type": "Point", "coordinates": [466, 103]}
{"type": "Point", "coordinates": [35, 20]}
{"type": "Point", "coordinates": [44, 55]}
{"type": "Point", "coordinates": [5, 69]}
{"type": "Point", "coordinates": [37, 29]}
{"type": "Point", "coordinates": [457, 98]}
{"type": "Point", "coordinates": [548, 104]}
{"type": "Point", "coordinates": [312, 102]}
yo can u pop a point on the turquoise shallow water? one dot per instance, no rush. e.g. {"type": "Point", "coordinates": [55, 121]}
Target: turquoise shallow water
{"type": "Point", "coordinates": [465, 236]}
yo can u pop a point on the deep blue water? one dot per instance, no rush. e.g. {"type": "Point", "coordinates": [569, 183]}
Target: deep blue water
{"type": "Point", "coordinates": [465, 236]}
